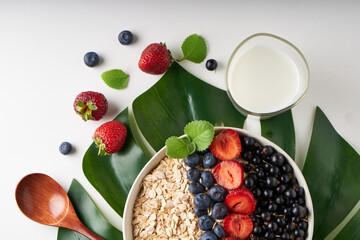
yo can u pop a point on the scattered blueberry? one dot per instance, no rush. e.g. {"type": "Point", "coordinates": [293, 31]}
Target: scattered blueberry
{"type": "Point", "coordinates": [209, 160]}
{"type": "Point", "coordinates": [200, 212]}
{"type": "Point", "coordinates": [206, 223]}
{"type": "Point", "coordinates": [91, 59]}
{"type": "Point", "coordinates": [219, 231]}
{"type": "Point", "coordinates": [219, 211]}
{"type": "Point", "coordinates": [207, 179]}
{"type": "Point", "coordinates": [193, 174]}
{"type": "Point", "coordinates": [192, 160]}
{"type": "Point", "coordinates": [65, 148]}
{"type": "Point", "coordinates": [211, 64]}
{"type": "Point", "coordinates": [217, 193]}
{"type": "Point", "coordinates": [209, 235]}
{"type": "Point", "coordinates": [202, 201]}
{"type": "Point", "coordinates": [195, 188]}
{"type": "Point", "coordinates": [125, 37]}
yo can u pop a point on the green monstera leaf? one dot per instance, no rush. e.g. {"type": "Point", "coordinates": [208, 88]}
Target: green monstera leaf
{"type": "Point", "coordinates": [177, 99]}
{"type": "Point", "coordinates": [332, 172]}
{"type": "Point", "coordinates": [89, 215]}
{"type": "Point", "coordinates": [113, 175]}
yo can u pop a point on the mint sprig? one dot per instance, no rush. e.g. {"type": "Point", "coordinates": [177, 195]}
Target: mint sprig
{"type": "Point", "coordinates": [115, 78]}
{"type": "Point", "coordinates": [194, 49]}
{"type": "Point", "coordinates": [198, 135]}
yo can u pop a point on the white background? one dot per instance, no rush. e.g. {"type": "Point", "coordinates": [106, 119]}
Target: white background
{"type": "Point", "coordinates": [42, 44]}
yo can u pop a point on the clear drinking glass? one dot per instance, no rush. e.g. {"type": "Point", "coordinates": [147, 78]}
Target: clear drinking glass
{"type": "Point", "coordinates": [283, 50]}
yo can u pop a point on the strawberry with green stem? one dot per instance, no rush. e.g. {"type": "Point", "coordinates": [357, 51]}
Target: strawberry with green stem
{"type": "Point", "coordinates": [90, 105]}
{"type": "Point", "coordinates": [110, 137]}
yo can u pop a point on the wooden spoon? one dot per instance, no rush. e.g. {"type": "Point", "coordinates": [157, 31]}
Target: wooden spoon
{"type": "Point", "coordinates": [44, 201]}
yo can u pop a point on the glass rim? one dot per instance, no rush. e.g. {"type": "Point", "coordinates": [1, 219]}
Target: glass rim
{"type": "Point", "coordinates": [273, 113]}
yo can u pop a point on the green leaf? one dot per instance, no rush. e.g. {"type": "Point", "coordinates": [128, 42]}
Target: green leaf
{"type": "Point", "coordinates": [176, 148]}
{"type": "Point", "coordinates": [280, 130]}
{"type": "Point", "coordinates": [115, 78]}
{"type": "Point", "coordinates": [351, 229]}
{"type": "Point", "coordinates": [89, 215]}
{"type": "Point", "coordinates": [112, 175]}
{"type": "Point", "coordinates": [201, 133]}
{"type": "Point", "coordinates": [332, 173]}
{"type": "Point", "coordinates": [194, 49]}
{"type": "Point", "coordinates": [177, 99]}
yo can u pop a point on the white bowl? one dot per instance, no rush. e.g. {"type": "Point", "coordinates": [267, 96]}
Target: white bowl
{"type": "Point", "coordinates": [154, 161]}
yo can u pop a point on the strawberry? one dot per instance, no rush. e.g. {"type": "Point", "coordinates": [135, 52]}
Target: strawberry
{"type": "Point", "coordinates": [238, 225]}
{"type": "Point", "coordinates": [90, 105]}
{"type": "Point", "coordinates": [229, 174]}
{"type": "Point", "coordinates": [231, 238]}
{"type": "Point", "coordinates": [110, 137]}
{"type": "Point", "coordinates": [226, 145]}
{"type": "Point", "coordinates": [155, 59]}
{"type": "Point", "coordinates": [240, 201]}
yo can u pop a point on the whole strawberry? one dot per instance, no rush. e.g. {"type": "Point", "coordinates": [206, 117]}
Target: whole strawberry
{"type": "Point", "coordinates": [110, 137]}
{"type": "Point", "coordinates": [155, 59]}
{"type": "Point", "coordinates": [90, 105]}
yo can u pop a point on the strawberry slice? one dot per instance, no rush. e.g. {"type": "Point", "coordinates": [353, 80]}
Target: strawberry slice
{"type": "Point", "coordinates": [240, 201]}
{"type": "Point", "coordinates": [229, 174]}
{"type": "Point", "coordinates": [226, 145]}
{"type": "Point", "coordinates": [238, 225]}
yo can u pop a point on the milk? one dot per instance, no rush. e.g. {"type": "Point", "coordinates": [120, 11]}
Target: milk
{"type": "Point", "coordinates": [263, 79]}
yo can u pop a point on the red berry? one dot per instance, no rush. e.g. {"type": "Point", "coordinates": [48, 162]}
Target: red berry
{"type": "Point", "coordinates": [229, 174]}
{"type": "Point", "coordinates": [90, 105]}
{"type": "Point", "coordinates": [110, 137]}
{"type": "Point", "coordinates": [238, 225]}
{"type": "Point", "coordinates": [226, 145]}
{"type": "Point", "coordinates": [240, 201]}
{"type": "Point", "coordinates": [155, 59]}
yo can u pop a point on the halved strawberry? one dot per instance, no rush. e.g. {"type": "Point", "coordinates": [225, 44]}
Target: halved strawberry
{"type": "Point", "coordinates": [238, 225]}
{"type": "Point", "coordinates": [240, 201]}
{"type": "Point", "coordinates": [226, 145]}
{"type": "Point", "coordinates": [229, 174]}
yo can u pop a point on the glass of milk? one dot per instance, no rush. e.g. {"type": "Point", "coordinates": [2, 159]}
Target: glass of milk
{"type": "Point", "coordinates": [266, 75]}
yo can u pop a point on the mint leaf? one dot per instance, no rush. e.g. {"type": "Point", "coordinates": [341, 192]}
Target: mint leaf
{"type": "Point", "coordinates": [115, 78]}
{"type": "Point", "coordinates": [176, 148]}
{"type": "Point", "coordinates": [194, 49]}
{"type": "Point", "coordinates": [201, 133]}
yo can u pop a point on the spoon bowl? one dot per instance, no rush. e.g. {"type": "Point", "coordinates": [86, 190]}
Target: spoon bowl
{"type": "Point", "coordinates": [43, 200]}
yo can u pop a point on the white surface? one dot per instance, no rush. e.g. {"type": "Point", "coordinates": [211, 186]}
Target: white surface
{"type": "Point", "coordinates": [154, 161]}
{"type": "Point", "coordinates": [42, 44]}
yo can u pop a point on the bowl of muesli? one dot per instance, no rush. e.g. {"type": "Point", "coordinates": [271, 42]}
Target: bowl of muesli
{"type": "Point", "coordinates": [271, 200]}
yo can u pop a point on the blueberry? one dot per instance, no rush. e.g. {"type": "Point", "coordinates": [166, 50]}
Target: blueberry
{"type": "Point", "coordinates": [219, 231]}
{"type": "Point", "coordinates": [271, 182]}
{"type": "Point", "coordinates": [206, 222]}
{"type": "Point", "coordinates": [195, 188]}
{"type": "Point", "coordinates": [300, 191]}
{"type": "Point", "coordinates": [65, 148]}
{"type": "Point", "coordinates": [193, 174]}
{"type": "Point", "coordinates": [192, 160]}
{"type": "Point", "coordinates": [249, 141]}
{"type": "Point", "coordinates": [290, 193]}
{"type": "Point", "coordinates": [247, 168]}
{"type": "Point", "coordinates": [198, 212]}
{"type": "Point", "coordinates": [91, 59]}
{"type": "Point", "coordinates": [249, 182]}
{"type": "Point", "coordinates": [207, 179]}
{"type": "Point", "coordinates": [202, 152]}
{"type": "Point", "coordinates": [286, 168]}
{"type": "Point", "coordinates": [267, 151]}
{"type": "Point", "coordinates": [299, 233]}
{"type": "Point", "coordinates": [277, 159]}
{"type": "Point", "coordinates": [257, 231]}
{"type": "Point", "coordinates": [202, 201]}
{"type": "Point", "coordinates": [303, 225]}
{"type": "Point", "coordinates": [211, 64]}
{"type": "Point", "coordinates": [125, 37]}
{"type": "Point", "coordinates": [217, 193]}
{"type": "Point", "coordinates": [219, 211]}
{"type": "Point", "coordinates": [209, 160]}
{"type": "Point", "coordinates": [209, 235]}
{"type": "Point", "coordinates": [272, 226]}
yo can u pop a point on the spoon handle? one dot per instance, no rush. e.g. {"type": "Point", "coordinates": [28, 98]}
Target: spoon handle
{"type": "Point", "coordinates": [86, 232]}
